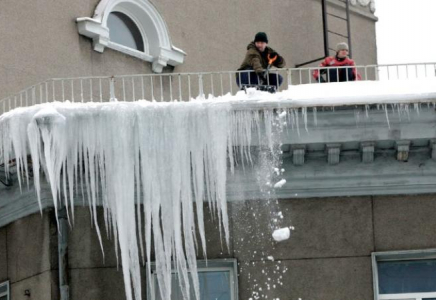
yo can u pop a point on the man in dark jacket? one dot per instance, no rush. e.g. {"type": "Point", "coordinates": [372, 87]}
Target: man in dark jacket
{"type": "Point", "coordinates": [256, 63]}
{"type": "Point", "coordinates": [348, 73]}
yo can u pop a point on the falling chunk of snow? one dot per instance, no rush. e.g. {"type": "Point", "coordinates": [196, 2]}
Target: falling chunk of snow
{"type": "Point", "coordinates": [281, 234]}
{"type": "Point", "coordinates": [280, 184]}
{"type": "Point", "coordinates": [271, 258]}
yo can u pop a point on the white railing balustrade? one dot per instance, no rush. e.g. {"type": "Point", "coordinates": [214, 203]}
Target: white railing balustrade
{"type": "Point", "coordinates": [185, 86]}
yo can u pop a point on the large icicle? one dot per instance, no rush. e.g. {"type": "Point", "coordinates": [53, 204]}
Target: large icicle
{"type": "Point", "coordinates": [168, 157]}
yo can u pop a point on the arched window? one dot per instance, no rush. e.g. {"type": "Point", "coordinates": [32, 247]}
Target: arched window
{"type": "Point", "coordinates": [123, 30]}
{"type": "Point", "coordinates": [133, 27]}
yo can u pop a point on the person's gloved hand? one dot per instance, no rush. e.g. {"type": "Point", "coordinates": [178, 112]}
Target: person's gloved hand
{"type": "Point", "coordinates": [262, 77]}
{"type": "Point", "coordinates": [320, 79]}
{"type": "Point", "coordinates": [273, 54]}
{"type": "Point", "coordinates": [276, 57]}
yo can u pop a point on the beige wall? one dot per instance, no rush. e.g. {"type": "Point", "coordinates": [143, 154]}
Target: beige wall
{"type": "Point", "coordinates": [218, 41]}
{"type": "Point", "coordinates": [28, 257]}
{"type": "Point", "coordinates": [39, 39]}
{"type": "Point", "coordinates": [327, 257]}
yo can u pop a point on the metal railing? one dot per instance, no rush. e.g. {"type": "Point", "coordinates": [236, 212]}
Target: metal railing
{"type": "Point", "coordinates": [185, 86]}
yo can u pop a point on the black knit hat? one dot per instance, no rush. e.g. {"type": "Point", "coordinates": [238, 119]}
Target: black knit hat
{"type": "Point", "coordinates": [261, 37]}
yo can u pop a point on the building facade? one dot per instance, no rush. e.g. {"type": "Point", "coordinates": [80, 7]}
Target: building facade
{"type": "Point", "coordinates": [360, 194]}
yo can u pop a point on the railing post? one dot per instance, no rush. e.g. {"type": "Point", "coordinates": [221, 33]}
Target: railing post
{"type": "Point", "coordinates": [289, 71]}
{"type": "Point", "coordinates": [112, 89]}
{"type": "Point", "coordinates": [33, 95]}
{"type": "Point", "coordinates": [200, 86]}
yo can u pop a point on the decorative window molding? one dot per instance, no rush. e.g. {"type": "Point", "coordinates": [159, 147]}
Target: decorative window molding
{"type": "Point", "coordinates": [158, 48]}
{"type": "Point", "coordinates": [370, 3]}
{"type": "Point", "coordinates": [4, 291]}
{"type": "Point", "coordinates": [226, 267]}
{"type": "Point", "coordinates": [391, 270]}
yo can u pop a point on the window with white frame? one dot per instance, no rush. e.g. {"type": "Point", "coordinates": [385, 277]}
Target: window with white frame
{"type": "Point", "coordinates": [4, 291]}
{"type": "Point", "coordinates": [133, 27]}
{"type": "Point", "coordinates": [405, 275]}
{"type": "Point", "coordinates": [217, 278]}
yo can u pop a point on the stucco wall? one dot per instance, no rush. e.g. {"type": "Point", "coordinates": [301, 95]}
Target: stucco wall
{"type": "Point", "coordinates": [28, 257]}
{"type": "Point", "coordinates": [40, 38]}
{"type": "Point", "coordinates": [327, 257]}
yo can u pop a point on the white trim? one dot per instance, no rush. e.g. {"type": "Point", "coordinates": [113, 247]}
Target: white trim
{"type": "Point", "coordinates": [8, 290]}
{"type": "Point", "coordinates": [211, 265]}
{"type": "Point", "coordinates": [158, 48]}
{"type": "Point", "coordinates": [411, 296]}
{"type": "Point", "coordinates": [355, 10]}
{"type": "Point", "coordinates": [129, 51]}
{"type": "Point", "coordinates": [399, 256]}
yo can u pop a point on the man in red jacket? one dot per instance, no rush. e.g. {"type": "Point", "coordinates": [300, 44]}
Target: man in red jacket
{"type": "Point", "coordinates": [347, 73]}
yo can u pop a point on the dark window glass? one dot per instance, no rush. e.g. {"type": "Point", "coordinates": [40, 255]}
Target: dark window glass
{"type": "Point", "coordinates": [414, 276]}
{"type": "Point", "coordinates": [213, 286]}
{"type": "Point", "coordinates": [123, 31]}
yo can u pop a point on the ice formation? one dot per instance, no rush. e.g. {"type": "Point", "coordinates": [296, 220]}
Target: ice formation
{"type": "Point", "coordinates": [167, 157]}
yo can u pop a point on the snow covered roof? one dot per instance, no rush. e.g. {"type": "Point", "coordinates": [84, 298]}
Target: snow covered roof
{"type": "Point", "coordinates": [189, 147]}
{"type": "Point", "coordinates": [300, 96]}
{"type": "Point", "coordinates": [339, 94]}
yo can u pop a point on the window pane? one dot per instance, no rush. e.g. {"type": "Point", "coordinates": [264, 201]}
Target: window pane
{"type": "Point", "coordinates": [122, 30]}
{"type": "Point", "coordinates": [213, 286]}
{"type": "Point", "coordinates": [3, 298]}
{"type": "Point", "coordinates": [415, 276]}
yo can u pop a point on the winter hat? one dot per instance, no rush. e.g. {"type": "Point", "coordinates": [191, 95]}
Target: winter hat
{"type": "Point", "coordinates": [261, 37]}
{"type": "Point", "coordinates": [342, 46]}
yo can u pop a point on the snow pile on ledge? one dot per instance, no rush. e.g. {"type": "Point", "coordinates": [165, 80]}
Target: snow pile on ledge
{"type": "Point", "coordinates": [338, 94]}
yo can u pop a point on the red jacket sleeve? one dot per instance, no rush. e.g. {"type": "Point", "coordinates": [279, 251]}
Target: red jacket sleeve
{"type": "Point", "coordinates": [323, 64]}
{"type": "Point", "coordinates": [355, 73]}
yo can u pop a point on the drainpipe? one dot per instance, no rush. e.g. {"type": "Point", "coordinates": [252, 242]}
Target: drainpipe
{"type": "Point", "coordinates": [63, 254]}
